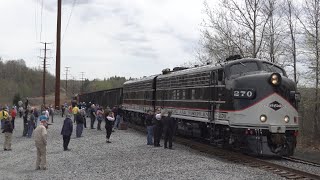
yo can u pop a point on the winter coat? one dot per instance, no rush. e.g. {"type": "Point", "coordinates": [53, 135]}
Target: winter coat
{"type": "Point", "coordinates": [79, 118]}
{"type": "Point", "coordinates": [67, 127]}
{"type": "Point", "coordinates": [168, 123]}
{"type": "Point", "coordinates": [40, 135]}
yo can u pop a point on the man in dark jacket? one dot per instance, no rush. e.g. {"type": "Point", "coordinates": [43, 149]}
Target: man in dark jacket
{"type": "Point", "coordinates": [66, 132]}
{"type": "Point", "coordinates": [168, 129]}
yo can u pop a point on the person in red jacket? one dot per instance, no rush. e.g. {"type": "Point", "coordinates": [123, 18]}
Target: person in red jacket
{"type": "Point", "coordinates": [13, 115]}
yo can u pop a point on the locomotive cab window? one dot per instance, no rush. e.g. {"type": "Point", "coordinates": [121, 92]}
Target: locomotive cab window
{"type": "Point", "coordinates": [272, 68]}
{"type": "Point", "coordinates": [243, 68]}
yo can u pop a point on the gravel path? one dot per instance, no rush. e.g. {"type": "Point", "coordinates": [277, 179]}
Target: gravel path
{"type": "Point", "coordinates": [127, 157]}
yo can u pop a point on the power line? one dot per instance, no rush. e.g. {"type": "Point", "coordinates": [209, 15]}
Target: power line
{"type": "Point", "coordinates": [65, 31]}
{"type": "Point", "coordinates": [35, 20]}
{"type": "Point", "coordinates": [41, 19]}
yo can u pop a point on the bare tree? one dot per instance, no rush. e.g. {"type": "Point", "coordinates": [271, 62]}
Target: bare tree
{"type": "Point", "coordinates": [290, 19]}
{"type": "Point", "coordinates": [220, 36]}
{"type": "Point", "coordinates": [274, 46]}
{"type": "Point", "coordinates": [250, 18]}
{"type": "Point", "coordinates": [310, 22]}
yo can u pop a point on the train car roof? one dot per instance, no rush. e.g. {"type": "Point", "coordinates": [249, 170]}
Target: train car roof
{"type": "Point", "coordinates": [100, 91]}
{"type": "Point", "coordinates": [148, 78]}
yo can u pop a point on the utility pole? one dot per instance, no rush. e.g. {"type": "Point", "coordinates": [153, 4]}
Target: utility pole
{"type": "Point", "coordinates": [67, 70]}
{"type": "Point", "coordinates": [44, 73]}
{"type": "Point", "coordinates": [81, 88]}
{"type": "Point", "coordinates": [57, 92]}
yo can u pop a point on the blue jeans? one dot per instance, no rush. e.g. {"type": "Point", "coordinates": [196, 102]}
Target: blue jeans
{"type": "Point", "coordinates": [117, 122]}
{"type": "Point", "coordinates": [150, 135]}
{"type": "Point", "coordinates": [30, 130]}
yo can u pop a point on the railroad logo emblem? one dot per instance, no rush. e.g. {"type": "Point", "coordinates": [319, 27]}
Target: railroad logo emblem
{"type": "Point", "coordinates": [275, 105]}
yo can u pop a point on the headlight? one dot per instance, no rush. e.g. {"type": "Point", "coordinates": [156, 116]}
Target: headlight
{"type": "Point", "coordinates": [275, 79]}
{"type": "Point", "coordinates": [263, 118]}
{"type": "Point", "coordinates": [286, 119]}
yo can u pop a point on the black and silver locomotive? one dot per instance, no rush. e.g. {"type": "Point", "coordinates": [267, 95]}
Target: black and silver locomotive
{"type": "Point", "coordinates": [247, 104]}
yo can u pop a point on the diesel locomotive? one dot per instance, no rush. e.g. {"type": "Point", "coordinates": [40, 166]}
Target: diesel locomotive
{"type": "Point", "coordinates": [246, 104]}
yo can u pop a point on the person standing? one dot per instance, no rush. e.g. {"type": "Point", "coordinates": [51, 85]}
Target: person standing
{"type": "Point", "coordinates": [62, 110]}
{"type": "Point", "coordinates": [51, 112]}
{"type": "Point", "coordinates": [108, 126]}
{"type": "Point", "coordinates": [43, 116]}
{"type": "Point", "coordinates": [75, 110]}
{"type": "Point", "coordinates": [157, 129]}
{"type": "Point", "coordinates": [92, 115]}
{"type": "Point", "coordinates": [40, 137]}
{"type": "Point", "coordinates": [25, 123]}
{"type": "Point", "coordinates": [168, 129]}
{"type": "Point", "coordinates": [79, 121]}
{"type": "Point", "coordinates": [149, 125]}
{"type": "Point", "coordinates": [31, 123]}
{"type": "Point", "coordinates": [13, 115]}
{"type": "Point", "coordinates": [4, 115]}
{"type": "Point", "coordinates": [99, 118]}
{"type": "Point", "coordinates": [66, 132]}
{"type": "Point", "coordinates": [7, 130]}
{"type": "Point", "coordinates": [117, 117]}
{"type": "Point", "coordinates": [83, 114]}
{"type": "Point", "coordinates": [20, 111]}
{"type": "Point", "coordinates": [36, 116]}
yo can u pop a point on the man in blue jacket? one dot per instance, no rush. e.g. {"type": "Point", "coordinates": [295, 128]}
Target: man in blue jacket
{"type": "Point", "coordinates": [66, 132]}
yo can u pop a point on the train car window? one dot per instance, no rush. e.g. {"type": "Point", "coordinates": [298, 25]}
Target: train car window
{"type": "Point", "coordinates": [183, 94]}
{"type": "Point", "coordinates": [174, 96]}
{"type": "Point", "coordinates": [271, 68]}
{"type": "Point", "coordinates": [178, 94]}
{"type": "Point", "coordinates": [243, 67]}
{"type": "Point", "coordinates": [193, 94]}
{"type": "Point", "coordinates": [213, 78]}
{"type": "Point", "coordinates": [220, 75]}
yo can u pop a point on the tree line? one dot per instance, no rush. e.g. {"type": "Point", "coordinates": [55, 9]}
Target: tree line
{"type": "Point", "coordinates": [19, 82]}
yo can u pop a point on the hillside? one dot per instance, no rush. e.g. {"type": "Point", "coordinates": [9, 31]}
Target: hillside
{"type": "Point", "coordinates": [19, 80]}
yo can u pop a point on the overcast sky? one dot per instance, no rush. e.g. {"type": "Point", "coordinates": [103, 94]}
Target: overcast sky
{"type": "Point", "coordinates": [130, 38]}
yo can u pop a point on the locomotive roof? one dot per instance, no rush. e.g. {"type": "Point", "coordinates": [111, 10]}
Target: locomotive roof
{"type": "Point", "coordinates": [208, 67]}
{"type": "Point", "coordinates": [194, 70]}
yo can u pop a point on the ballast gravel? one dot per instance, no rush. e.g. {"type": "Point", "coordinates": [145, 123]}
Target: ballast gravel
{"type": "Point", "coordinates": [298, 166]}
{"type": "Point", "coordinates": [126, 157]}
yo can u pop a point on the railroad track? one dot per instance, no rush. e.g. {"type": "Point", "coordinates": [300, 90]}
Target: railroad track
{"type": "Point", "coordinates": [239, 158]}
{"type": "Point", "coordinates": [302, 161]}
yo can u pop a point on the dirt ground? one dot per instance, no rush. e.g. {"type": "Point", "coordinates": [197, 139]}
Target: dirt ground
{"type": "Point", "coordinates": [50, 100]}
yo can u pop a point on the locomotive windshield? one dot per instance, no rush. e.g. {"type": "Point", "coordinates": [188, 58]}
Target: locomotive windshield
{"type": "Point", "coordinates": [243, 67]}
{"type": "Point", "coordinates": [252, 66]}
{"type": "Point", "coordinates": [271, 68]}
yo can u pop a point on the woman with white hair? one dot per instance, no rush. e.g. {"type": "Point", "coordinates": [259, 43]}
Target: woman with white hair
{"type": "Point", "coordinates": [109, 123]}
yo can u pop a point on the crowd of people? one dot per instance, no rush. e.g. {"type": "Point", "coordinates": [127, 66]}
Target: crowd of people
{"type": "Point", "coordinates": [35, 125]}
